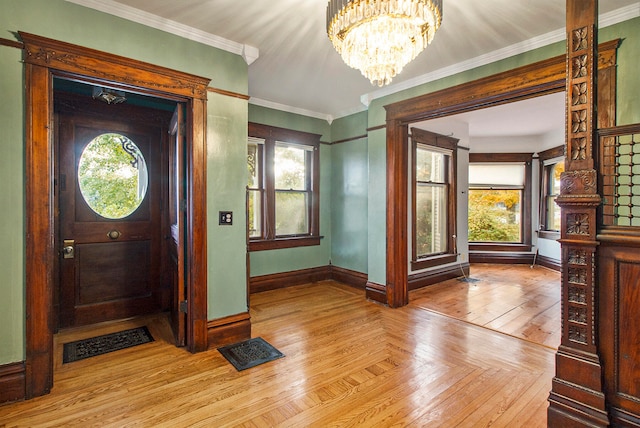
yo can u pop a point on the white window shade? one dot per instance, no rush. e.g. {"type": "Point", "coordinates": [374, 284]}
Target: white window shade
{"type": "Point", "coordinates": [496, 175]}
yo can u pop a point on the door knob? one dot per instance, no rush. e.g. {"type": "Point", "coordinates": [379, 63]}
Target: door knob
{"type": "Point", "coordinates": [114, 234]}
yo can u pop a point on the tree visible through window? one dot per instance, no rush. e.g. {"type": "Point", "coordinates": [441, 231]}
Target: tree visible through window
{"type": "Point", "coordinates": [499, 199]}
{"type": "Point", "coordinates": [282, 187]}
{"type": "Point", "coordinates": [112, 176]}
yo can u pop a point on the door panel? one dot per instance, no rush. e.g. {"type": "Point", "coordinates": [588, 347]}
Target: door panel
{"type": "Point", "coordinates": [115, 269]}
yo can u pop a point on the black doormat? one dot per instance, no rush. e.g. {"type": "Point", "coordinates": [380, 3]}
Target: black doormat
{"type": "Point", "coordinates": [250, 353]}
{"type": "Point", "coordinates": [85, 348]}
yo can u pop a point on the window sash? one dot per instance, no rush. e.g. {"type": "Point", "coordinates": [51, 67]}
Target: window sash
{"type": "Point", "coordinates": [289, 204]}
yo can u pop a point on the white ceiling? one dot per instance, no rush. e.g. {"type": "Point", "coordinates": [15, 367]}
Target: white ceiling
{"type": "Point", "coordinates": [298, 70]}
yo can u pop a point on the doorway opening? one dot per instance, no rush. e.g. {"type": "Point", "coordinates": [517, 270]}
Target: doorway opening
{"type": "Point", "coordinates": [112, 199]}
{"type": "Point", "coordinates": [46, 59]}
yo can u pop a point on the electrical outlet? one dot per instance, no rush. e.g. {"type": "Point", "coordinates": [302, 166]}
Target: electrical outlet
{"type": "Point", "coordinates": [225, 218]}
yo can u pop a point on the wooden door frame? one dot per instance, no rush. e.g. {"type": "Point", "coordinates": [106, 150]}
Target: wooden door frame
{"type": "Point", "coordinates": [45, 58]}
{"type": "Point", "coordinates": [533, 80]}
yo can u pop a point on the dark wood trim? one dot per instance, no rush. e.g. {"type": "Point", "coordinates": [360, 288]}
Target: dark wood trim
{"type": "Point", "coordinates": [12, 382]}
{"type": "Point", "coordinates": [432, 261]}
{"type": "Point", "coordinates": [548, 262]}
{"type": "Point", "coordinates": [375, 128]}
{"type": "Point", "coordinates": [501, 258]}
{"type": "Point", "coordinates": [228, 93]}
{"type": "Point", "coordinates": [577, 397]}
{"type": "Point", "coordinates": [45, 58]}
{"type": "Point", "coordinates": [288, 279]}
{"type": "Point", "coordinates": [349, 277]}
{"type": "Point", "coordinates": [396, 211]}
{"type": "Point", "coordinates": [279, 243]}
{"type": "Point", "coordinates": [500, 157]}
{"type": "Point", "coordinates": [376, 292]}
{"type": "Point", "coordinates": [555, 152]}
{"type": "Point", "coordinates": [11, 43]}
{"type": "Point", "coordinates": [433, 276]}
{"type": "Point", "coordinates": [348, 140]}
{"type": "Point", "coordinates": [228, 330]}
{"type": "Point", "coordinates": [495, 246]}
{"type": "Point", "coordinates": [275, 281]}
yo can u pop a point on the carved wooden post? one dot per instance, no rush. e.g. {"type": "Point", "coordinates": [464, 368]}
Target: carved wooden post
{"type": "Point", "coordinates": [577, 397]}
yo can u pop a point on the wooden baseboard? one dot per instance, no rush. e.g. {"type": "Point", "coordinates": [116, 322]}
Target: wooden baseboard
{"type": "Point", "coordinates": [501, 258]}
{"type": "Point", "coordinates": [228, 330]}
{"type": "Point", "coordinates": [12, 382]}
{"type": "Point", "coordinates": [376, 292]}
{"type": "Point", "coordinates": [349, 277]}
{"type": "Point", "coordinates": [288, 279]}
{"type": "Point", "coordinates": [549, 263]}
{"type": "Point", "coordinates": [433, 276]}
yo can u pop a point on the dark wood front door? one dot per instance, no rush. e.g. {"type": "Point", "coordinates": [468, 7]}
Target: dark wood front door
{"type": "Point", "coordinates": [110, 247]}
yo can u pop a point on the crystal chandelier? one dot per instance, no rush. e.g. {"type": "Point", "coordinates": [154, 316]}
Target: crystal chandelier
{"type": "Point", "coordinates": [380, 37]}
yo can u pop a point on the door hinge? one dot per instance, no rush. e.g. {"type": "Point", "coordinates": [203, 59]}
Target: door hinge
{"type": "Point", "coordinates": [183, 306]}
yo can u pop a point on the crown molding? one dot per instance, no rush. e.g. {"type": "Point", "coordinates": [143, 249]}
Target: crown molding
{"type": "Point", "coordinates": [248, 53]}
{"type": "Point", "coordinates": [286, 108]}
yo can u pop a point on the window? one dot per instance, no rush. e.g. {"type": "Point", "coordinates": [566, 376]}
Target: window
{"type": "Point", "coordinates": [432, 199]}
{"type": "Point", "coordinates": [551, 167]}
{"type": "Point", "coordinates": [500, 201]}
{"type": "Point", "coordinates": [282, 188]}
{"type": "Point", "coordinates": [112, 176]}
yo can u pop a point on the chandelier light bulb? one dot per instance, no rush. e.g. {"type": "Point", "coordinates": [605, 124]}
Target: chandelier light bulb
{"type": "Point", "coordinates": [380, 37]}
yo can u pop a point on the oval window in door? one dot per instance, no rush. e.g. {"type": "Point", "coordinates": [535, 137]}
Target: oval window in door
{"type": "Point", "coordinates": [112, 175]}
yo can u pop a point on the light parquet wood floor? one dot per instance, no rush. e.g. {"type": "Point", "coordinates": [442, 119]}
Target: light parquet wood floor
{"type": "Point", "coordinates": [513, 299]}
{"type": "Point", "coordinates": [348, 362]}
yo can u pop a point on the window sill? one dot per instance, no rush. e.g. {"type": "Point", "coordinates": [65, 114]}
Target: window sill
{"type": "Point", "coordinates": [279, 243]}
{"type": "Point", "coordinates": [549, 234]}
{"type": "Point", "coordinates": [438, 260]}
{"type": "Point", "coordinates": [495, 246]}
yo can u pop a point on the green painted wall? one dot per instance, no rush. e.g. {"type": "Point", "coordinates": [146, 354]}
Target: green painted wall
{"type": "Point", "coordinates": [628, 99]}
{"type": "Point", "coordinates": [291, 259]}
{"type": "Point", "coordinates": [226, 165]}
{"type": "Point", "coordinates": [350, 193]}
{"type": "Point", "coordinates": [11, 207]}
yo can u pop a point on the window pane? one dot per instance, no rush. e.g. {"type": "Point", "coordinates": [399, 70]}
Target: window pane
{"type": "Point", "coordinates": [289, 167]}
{"type": "Point", "coordinates": [254, 207]}
{"type": "Point", "coordinates": [431, 220]}
{"type": "Point", "coordinates": [554, 179]}
{"type": "Point", "coordinates": [291, 213]}
{"type": "Point", "coordinates": [112, 176]}
{"type": "Point", "coordinates": [553, 214]}
{"type": "Point", "coordinates": [253, 164]}
{"type": "Point", "coordinates": [494, 215]}
{"type": "Point", "coordinates": [430, 166]}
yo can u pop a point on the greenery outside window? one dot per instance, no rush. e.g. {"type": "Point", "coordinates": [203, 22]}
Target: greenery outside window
{"type": "Point", "coordinates": [432, 199]}
{"type": "Point", "coordinates": [282, 188]}
{"type": "Point", "coordinates": [499, 202]}
{"type": "Point", "coordinates": [551, 167]}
